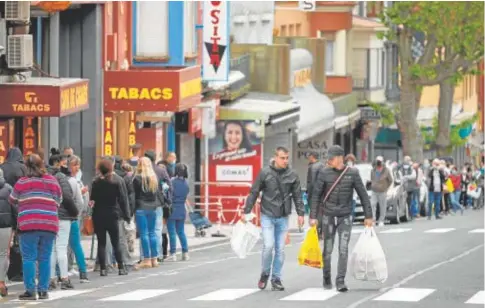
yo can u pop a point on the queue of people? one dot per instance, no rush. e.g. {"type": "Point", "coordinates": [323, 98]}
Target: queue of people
{"type": "Point", "coordinates": [43, 208]}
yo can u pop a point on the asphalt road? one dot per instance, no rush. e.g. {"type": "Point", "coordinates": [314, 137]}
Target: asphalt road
{"type": "Point", "coordinates": [431, 264]}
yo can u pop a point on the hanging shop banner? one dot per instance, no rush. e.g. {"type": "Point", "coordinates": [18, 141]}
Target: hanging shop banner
{"type": "Point", "coordinates": [235, 157]}
{"type": "Point", "coordinates": [108, 134]}
{"type": "Point", "coordinates": [132, 132]}
{"type": "Point", "coordinates": [30, 135]}
{"type": "Point", "coordinates": [215, 50]}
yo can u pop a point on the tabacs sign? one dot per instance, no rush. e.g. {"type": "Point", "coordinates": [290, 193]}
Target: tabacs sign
{"type": "Point", "coordinates": [215, 51]}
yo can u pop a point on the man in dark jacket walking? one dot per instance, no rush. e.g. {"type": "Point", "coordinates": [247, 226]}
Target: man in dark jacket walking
{"type": "Point", "coordinates": [337, 211]}
{"type": "Point", "coordinates": [314, 168]}
{"type": "Point", "coordinates": [280, 186]}
{"type": "Point", "coordinates": [13, 167]}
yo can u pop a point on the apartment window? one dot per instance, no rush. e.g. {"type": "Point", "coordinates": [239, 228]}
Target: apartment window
{"type": "Point", "coordinates": [190, 15]}
{"type": "Point", "coordinates": [374, 8]}
{"type": "Point", "coordinates": [298, 30]}
{"type": "Point", "coordinates": [283, 31]}
{"type": "Point", "coordinates": [329, 57]}
{"type": "Point", "coordinates": [151, 29]}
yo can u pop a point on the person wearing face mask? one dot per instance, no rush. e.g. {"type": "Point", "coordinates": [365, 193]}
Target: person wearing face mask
{"type": "Point", "coordinates": [436, 180]}
{"type": "Point", "coordinates": [456, 194]}
{"type": "Point", "coordinates": [350, 160]}
{"type": "Point", "coordinates": [381, 180]}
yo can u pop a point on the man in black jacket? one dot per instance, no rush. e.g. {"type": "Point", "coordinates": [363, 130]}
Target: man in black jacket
{"type": "Point", "coordinates": [13, 167]}
{"type": "Point", "coordinates": [314, 168]}
{"type": "Point", "coordinates": [279, 185]}
{"type": "Point", "coordinates": [337, 211]}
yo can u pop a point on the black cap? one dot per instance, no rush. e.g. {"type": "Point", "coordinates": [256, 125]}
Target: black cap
{"type": "Point", "coordinates": [334, 151]}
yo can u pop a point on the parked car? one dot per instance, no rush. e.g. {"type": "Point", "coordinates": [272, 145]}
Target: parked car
{"type": "Point", "coordinates": [397, 208]}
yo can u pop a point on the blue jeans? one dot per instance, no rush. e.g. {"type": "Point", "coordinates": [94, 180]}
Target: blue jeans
{"type": "Point", "coordinates": [434, 197]}
{"type": "Point", "coordinates": [159, 229]}
{"type": "Point", "coordinates": [77, 248]}
{"type": "Point", "coordinates": [145, 222]}
{"type": "Point", "coordinates": [455, 200]}
{"type": "Point", "coordinates": [176, 227]}
{"type": "Point", "coordinates": [274, 235]}
{"type": "Point", "coordinates": [415, 203]}
{"type": "Point", "coordinates": [36, 246]}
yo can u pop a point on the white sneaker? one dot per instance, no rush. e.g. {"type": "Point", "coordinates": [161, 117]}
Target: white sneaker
{"type": "Point", "coordinates": [185, 256]}
{"type": "Point", "coordinates": [381, 224]}
{"type": "Point", "coordinates": [172, 258]}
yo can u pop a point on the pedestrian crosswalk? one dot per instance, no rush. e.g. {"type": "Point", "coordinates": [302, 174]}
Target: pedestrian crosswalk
{"type": "Point", "coordinates": [391, 230]}
{"type": "Point", "coordinates": [410, 295]}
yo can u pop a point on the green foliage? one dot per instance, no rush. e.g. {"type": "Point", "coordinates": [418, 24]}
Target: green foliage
{"type": "Point", "coordinates": [387, 113]}
{"type": "Point", "coordinates": [453, 37]}
{"type": "Point", "coordinates": [430, 134]}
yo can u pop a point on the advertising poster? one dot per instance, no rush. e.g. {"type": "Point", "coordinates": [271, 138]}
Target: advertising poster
{"type": "Point", "coordinates": [234, 162]}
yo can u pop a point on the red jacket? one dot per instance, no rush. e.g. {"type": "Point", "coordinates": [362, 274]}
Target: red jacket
{"type": "Point", "coordinates": [456, 180]}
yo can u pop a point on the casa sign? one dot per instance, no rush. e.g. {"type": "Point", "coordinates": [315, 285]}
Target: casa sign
{"type": "Point", "coordinates": [56, 99]}
{"type": "Point", "coordinates": [145, 91]}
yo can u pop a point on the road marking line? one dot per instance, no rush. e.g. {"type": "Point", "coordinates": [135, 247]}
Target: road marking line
{"type": "Point", "coordinates": [397, 230]}
{"type": "Point", "coordinates": [311, 294]}
{"type": "Point", "coordinates": [225, 295]}
{"type": "Point", "coordinates": [55, 295]}
{"type": "Point", "coordinates": [414, 275]}
{"type": "Point", "coordinates": [440, 230]}
{"type": "Point", "coordinates": [477, 231]}
{"type": "Point", "coordinates": [405, 295]}
{"type": "Point", "coordinates": [478, 298]}
{"type": "Point", "coordinates": [137, 295]}
{"type": "Point", "coordinates": [357, 231]}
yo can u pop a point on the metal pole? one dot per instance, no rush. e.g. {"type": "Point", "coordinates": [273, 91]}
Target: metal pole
{"type": "Point", "coordinates": [206, 175]}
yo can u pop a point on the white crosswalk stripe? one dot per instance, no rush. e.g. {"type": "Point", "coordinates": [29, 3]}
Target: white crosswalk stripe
{"type": "Point", "coordinates": [311, 294]}
{"type": "Point", "coordinates": [138, 295]}
{"type": "Point", "coordinates": [405, 295]}
{"type": "Point", "coordinates": [478, 299]}
{"type": "Point", "coordinates": [357, 231]}
{"type": "Point", "coordinates": [55, 295]}
{"type": "Point", "coordinates": [477, 231]}
{"type": "Point", "coordinates": [397, 230]}
{"type": "Point", "coordinates": [225, 295]}
{"type": "Point", "coordinates": [440, 230]}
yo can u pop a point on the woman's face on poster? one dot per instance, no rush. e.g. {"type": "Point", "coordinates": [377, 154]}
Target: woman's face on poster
{"type": "Point", "coordinates": [233, 136]}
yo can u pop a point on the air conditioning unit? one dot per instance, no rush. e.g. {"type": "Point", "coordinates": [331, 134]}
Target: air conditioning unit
{"type": "Point", "coordinates": [17, 10]}
{"type": "Point", "coordinates": [20, 51]}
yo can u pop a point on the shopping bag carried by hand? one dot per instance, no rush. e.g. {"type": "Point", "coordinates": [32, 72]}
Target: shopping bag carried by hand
{"type": "Point", "coordinates": [368, 261]}
{"type": "Point", "coordinates": [310, 253]}
{"type": "Point", "coordinates": [244, 238]}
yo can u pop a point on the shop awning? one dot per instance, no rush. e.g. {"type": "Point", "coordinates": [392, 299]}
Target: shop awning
{"type": "Point", "coordinates": [44, 97]}
{"type": "Point", "coordinates": [270, 108]}
{"type": "Point", "coordinates": [344, 120]}
{"type": "Point", "coordinates": [316, 112]}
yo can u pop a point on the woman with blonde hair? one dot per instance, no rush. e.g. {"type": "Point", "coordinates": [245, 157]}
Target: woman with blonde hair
{"type": "Point", "coordinates": [147, 199]}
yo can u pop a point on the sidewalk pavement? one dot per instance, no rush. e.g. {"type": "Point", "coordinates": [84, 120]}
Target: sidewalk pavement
{"type": "Point", "coordinates": [192, 240]}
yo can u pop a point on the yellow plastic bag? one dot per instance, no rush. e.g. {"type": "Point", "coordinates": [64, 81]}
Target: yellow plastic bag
{"type": "Point", "coordinates": [449, 186]}
{"type": "Point", "coordinates": [310, 253]}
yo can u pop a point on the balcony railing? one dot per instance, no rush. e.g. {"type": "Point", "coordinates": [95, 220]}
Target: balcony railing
{"type": "Point", "coordinates": [360, 84]}
{"type": "Point", "coordinates": [242, 64]}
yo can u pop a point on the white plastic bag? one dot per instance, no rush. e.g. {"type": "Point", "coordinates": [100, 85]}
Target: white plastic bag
{"type": "Point", "coordinates": [244, 238]}
{"type": "Point", "coordinates": [368, 261]}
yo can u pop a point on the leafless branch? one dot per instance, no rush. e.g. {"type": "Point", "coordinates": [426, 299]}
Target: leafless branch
{"type": "Point", "coordinates": [430, 50]}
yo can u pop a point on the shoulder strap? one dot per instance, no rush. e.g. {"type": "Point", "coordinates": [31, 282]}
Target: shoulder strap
{"type": "Point", "coordinates": [335, 184]}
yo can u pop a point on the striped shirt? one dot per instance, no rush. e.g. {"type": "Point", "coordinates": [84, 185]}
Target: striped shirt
{"type": "Point", "coordinates": [37, 200]}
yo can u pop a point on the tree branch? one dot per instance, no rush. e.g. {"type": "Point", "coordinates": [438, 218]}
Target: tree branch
{"type": "Point", "coordinates": [445, 73]}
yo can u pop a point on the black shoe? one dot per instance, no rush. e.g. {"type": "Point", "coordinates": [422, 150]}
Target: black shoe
{"type": "Point", "coordinates": [52, 284]}
{"type": "Point", "coordinates": [327, 283]}
{"type": "Point", "coordinates": [103, 273]}
{"type": "Point", "coordinates": [83, 277]}
{"type": "Point", "coordinates": [341, 287]}
{"type": "Point", "coordinates": [28, 296]}
{"type": "Point", "coordinates": [43, 295]}
{"type": "Point", "coordinates": [66, 285]}
{"type": "Point", "coordinates": [263, 281]}
{"type": "Point", "coordinates": [276, 285]}
{"type": "Point", "coordinates": [122, 272]}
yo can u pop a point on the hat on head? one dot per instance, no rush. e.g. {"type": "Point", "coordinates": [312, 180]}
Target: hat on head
{"type": "Point", "coordinates": [380, 158]}
{"type": "Point", "coordinates": [334, 151]}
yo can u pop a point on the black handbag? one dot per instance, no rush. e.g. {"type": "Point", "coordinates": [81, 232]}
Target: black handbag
{"type": "Point", "coordinates": [15, 272]}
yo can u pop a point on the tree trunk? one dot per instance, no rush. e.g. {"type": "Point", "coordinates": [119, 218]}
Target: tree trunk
{"type": "Point", "coordinates": [411, 138]}
{"type": "Point", "coordinates": [445, 108]}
